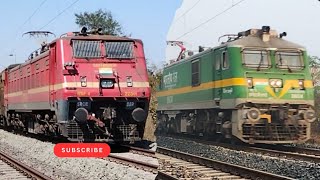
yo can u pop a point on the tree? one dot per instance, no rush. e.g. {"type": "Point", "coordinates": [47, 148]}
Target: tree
{"type": "Point", "coordinates": [314, 64]}
{"type": "Point", "coordinates": [154, 79]}
{"type": "Point", "coordinates": [315, 68]}
{"type": "Point", "coordinates": [99, 19]}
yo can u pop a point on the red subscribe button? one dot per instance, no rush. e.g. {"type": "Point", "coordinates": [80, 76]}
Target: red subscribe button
{"type": "Point", "coordinates": [81, 150]}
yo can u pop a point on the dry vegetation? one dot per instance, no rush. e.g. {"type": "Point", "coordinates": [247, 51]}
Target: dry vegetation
{"type": "Point", "coordinates": [154, 79]}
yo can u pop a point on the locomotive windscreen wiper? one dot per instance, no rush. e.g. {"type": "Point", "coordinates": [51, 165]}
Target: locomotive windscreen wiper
{"type": "Point", "coordinates": [280, 60]}
{"type": "Point", "coordinates": [260, 63]}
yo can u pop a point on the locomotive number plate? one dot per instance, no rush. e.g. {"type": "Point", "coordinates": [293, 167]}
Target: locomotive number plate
{"type": "Point", "coordinates": [130, 105]}
{"type": "Point", "coordinates": [84, 104]}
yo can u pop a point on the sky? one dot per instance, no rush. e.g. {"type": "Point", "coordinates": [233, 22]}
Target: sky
{"type": "Point", "coordinates": [299, 18]}
{"type": "Point", "coordinates": [143, 19]}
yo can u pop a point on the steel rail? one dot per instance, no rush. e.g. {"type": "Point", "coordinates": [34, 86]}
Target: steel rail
{"type": "Point", "coordinates": [26, 170]}
{"type": "Point", "coordinates": [305, 154]}
{"type": "Point", "coordinates": [141, 151]}
{"type": "Point", "coordinates": [127, 161]}
{"type": "Point", "coordinates": [294, 154]}
{"type": "Point", "coordinates": [219, 165]}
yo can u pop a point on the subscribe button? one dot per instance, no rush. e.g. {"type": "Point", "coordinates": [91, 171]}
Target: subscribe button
{"type": "Point", "coordinates": [82, 150]}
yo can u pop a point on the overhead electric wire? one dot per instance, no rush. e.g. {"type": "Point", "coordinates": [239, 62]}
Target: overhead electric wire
{"type": "Point", "coordinates": [29, 18]}
{"type": "Point", "coordinates": [34, 12]}
{"type": "Point", "coordinates": [211, 19]}
{"type": "Point", "coordinates": [59, 14]}
{"type": "Point", "coordinates": [195, 4]}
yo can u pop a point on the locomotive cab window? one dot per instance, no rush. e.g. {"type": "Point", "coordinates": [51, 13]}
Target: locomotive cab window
{"type": "Point", "coordinates": [86, 49]}
{"type": "Point", "coordinates": [289, 60]}
{"type": "Point", "coordinates": [218, 59]}
{"type": "Point", "coordinates": [195, 70]}
{"type": "Point", "coordinates": [255, 59]}
{"type": "Point", "coordinates": [119, 50]}
{"type": "Point", "coordinates": [225, 60]}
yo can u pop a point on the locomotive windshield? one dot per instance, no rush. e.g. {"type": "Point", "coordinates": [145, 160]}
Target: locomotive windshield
{"type": "Point", "coordinates": [255, 59]}
{"type": "Point", "coordinates": [92, 49]}
{"type": "Point", "coordinates": [86, 49]}
{"type": "Point", "coordinates": [119, 50]}
{"type": "Point", "coordinates": [289, 60]}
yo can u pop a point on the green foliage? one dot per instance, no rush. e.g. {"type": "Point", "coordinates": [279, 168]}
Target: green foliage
{"type": "Point", "coordinates": [99, 19]}
{"type": "Point", "coordinates": [314, 61]}
{"type": "Point", "coordinates": [314, 64]}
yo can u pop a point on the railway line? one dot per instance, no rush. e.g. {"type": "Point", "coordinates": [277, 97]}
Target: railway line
{"type": "Point", "coordinates": [10, 168]}
{"type": "Point", "coordinates": [131, 158]}
{"type": "Point", "coordinates": [179, 165]}
{"type": "Point", "coordinates": [287, 152]}
{"type": "Point", "coordinates": [303, 154]}
{"type": "Point", "coordinates": [141, 151]}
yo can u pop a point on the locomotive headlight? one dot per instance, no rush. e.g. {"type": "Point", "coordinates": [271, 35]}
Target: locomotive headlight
{"type": "Point", "coordinates": [129, 81]}
{"type": "Point", "coordinates": [278, 83]}
{"type": "Point", "coordinates": [250, 82]}
{"type": "Point", "coordinates": [83, 80]}
{"type": "Point", "coordinates": [106, 83]}
{"type": "Point", "coordinates": [275, 83]}
{"type": "Point", "coordinates": [301, 84]}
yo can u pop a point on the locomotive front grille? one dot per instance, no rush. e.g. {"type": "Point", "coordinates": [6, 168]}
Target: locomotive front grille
{"type": "Point", "coordinates": [74, 131]}
{"type": "Point", "coordinates": [274, 132]}
{"type": "Point", "coordinates": [127, 132]}
{"type": "Point", "coordinates": [120, 133]}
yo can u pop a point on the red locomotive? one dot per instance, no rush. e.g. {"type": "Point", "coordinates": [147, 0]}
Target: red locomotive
{"type": "Point", "coordinates": [84, 86]}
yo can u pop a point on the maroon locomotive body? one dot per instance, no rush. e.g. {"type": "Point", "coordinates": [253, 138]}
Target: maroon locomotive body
{"type": "Point", "coordinates": [82, 86]}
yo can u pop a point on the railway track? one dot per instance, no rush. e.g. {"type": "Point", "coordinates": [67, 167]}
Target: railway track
{"type": "Point", "coordinates": [10, 168]}
{"type": "Point", "coordinates": [141, 151]}
{"type": "Point", "coordinates": [303, 154]}
{"type": "Point", "coordinates": [179, 165]}
{"type": "Point", "coordinates": [132, 159]}
{"type": "Point", "coordinates": [288, 152]}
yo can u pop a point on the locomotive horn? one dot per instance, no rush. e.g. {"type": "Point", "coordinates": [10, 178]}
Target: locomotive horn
{"type": "Point", "coordinates": [253, 114]}
{"type": "Point", "coordinates": [84, 30]}
{"type": "Point", "coordinates": [81, 115]}
{"type": "Point", "coordinates": [139, 114]}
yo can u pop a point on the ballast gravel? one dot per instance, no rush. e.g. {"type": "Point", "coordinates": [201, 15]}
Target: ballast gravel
{"type": "Point", "coordinates": [40, 156]}
{"type": "Point", "coordinates": [291, 168]}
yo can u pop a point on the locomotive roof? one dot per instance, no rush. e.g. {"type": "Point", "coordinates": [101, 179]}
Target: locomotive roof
{"type": "Point", "coordinates": [76, 37]}
{"type": "Point", "coordinates": [252, 38]}
{"type": "Point", "coordinates": [256, 41]}
{"type": "Point", "coordinates": [100, 37]}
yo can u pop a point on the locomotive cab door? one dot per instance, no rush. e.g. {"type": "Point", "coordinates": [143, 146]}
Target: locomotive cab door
{"type": "Point", "coordinates": [217, 75]}
{"type": "Point", "coordinates": [52, 75]}
{"type": "Point", "coordinates": [221, 64]}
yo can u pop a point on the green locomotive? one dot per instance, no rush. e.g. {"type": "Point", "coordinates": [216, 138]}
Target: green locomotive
{"type": "Point", "coordinates": [256, 87]}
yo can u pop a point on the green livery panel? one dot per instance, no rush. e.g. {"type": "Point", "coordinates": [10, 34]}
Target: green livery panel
{"type": "Point", "coordinates": [256, 86]}
{"type": "Point", "coordinates": [220, 74]}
